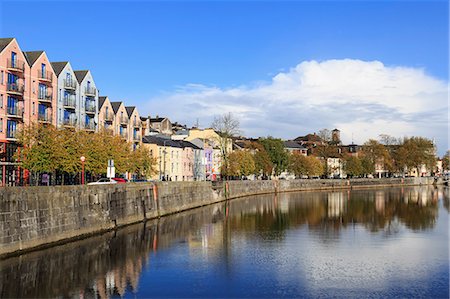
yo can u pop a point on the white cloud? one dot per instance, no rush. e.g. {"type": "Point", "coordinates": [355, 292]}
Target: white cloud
{"type": "Point", "coordinates": [361, 98]}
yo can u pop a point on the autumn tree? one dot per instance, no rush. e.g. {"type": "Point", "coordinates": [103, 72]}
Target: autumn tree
{"type": "Point", "coordinates": [375, 153]}
{"type": "Point", "coordinates": [277, 153]}
{"type": "Point", "coordinates": [446, 161]}
{"type": "Point", "coordinates": [263, 164]}
{"type": "Point", "coordinates": [241, 163]}
{"type": "Point", "coordinates": [415, 152]}
{"type": "Point", "coordinates": [226, 126]}
{"type": "Point", "coordinates": [301, 165]}
{"type": "Point", "coordinates": [353, 166]}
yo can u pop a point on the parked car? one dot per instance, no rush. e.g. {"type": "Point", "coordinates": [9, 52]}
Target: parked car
{"type": "Point", "coordinates": [120, 180]}
{"type": "Point", "coordinates": [103, 181]}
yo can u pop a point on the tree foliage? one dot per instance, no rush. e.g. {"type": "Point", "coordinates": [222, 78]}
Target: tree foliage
{"type": "Point", "coordinates": [415, 152]}
{"type": "Point", "coordinates": [375, 153]}
{"type": "Point", "coordinates": [446, 161]}
{"type": "Point", "coordinates": [301, 165]}
{"type": "Point", "coordinates": [47, 149]}
{"type": "Point", "coordinates": [353, 166]}
{"type": "Point", "coordinates": [277, 153]}
{"type": "Point", "coordinates": [227, 126]}
{"type": "Point", "coordinates": [241, 163]}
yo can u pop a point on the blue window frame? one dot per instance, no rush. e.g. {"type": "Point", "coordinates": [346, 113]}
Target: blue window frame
{"type": "Point", "coordinates": [13, 59]}
{"type": "Point", "coordinates": [42, 109]}
{"type": "Point", "coordinates": [11, 127]}
{"type": "Point", "coordinates": [12, 79]}
{"type": "Point", "coordinates": [43, 70]}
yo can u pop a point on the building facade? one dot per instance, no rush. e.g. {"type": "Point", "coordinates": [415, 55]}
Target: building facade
{"type": "Point", "coordinates": [105, 114]}
{"type": "Point", "coordinates": [66, 94]}
{"type": "Point", "coordinates": [87, 111]}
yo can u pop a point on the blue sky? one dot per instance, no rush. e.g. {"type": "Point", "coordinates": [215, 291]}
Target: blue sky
{"type": "Point", "coordinates": [144, 52]}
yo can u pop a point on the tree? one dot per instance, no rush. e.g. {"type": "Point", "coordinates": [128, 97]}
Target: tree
{"type": "Point", "coordinates": [227, 126]}
{"type": "Point", "coordinates": [325, 135]}
{"type": "Point", "coordinates": [446, 161]}
{"type": "Point", "coordinates": [375, 153]}
{"type": "Point", "coordinates": [263, 164]}
{"type": "Point", "coordinates": [353, 166]}
{"type": "Point", "coordinates": [240, 163]}
{"type": "Point", "coordinates": [302, 165]}
{"type": "Point", "coordinates": [277, 153]}
{"type": "Point", "coordinates": [415, 152]}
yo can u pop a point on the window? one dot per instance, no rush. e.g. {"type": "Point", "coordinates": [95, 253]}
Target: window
{"type": "Point", "coordinates": [1, 124]}
{"type": "Point", "coordinates": [34, 108]}
{"type": "Point", "coordinates": [13, 59]}
{"type": "Point", "coordinates": [43, 70]}
{"type": "Point", "coordinates": [1, 76]}
{"type": "Point", "coordinates": [1, 101]}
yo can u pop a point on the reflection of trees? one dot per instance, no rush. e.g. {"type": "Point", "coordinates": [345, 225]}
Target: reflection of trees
{"type": "Point", "coordinates": [445, 195]}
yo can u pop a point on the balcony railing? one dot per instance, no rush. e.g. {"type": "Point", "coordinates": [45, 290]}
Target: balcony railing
{"type": "Point", "coordinates": [15, 88]}
{"type": "Point", "coordinates": [89, 108]}
{"type": "Point", "coordinates": [68, 122]}
{"type": "Point", "coordinates": [45, 76]}
{"type": "Point", "coordinates": [14, 111]}
{"type": "Point", "coordinates": [124, 135]}
{"type": "Point", "coordinates": [109, 117]}
{"type": "Point", "coordinates": [123, 121]}
{"type": "Point", "coordinates": [136, 124]}
{"type": "Point", "coordinates": [16, 65]}
{"type": "Point", "coordinates": [90, 126]}
{"type": "Point", "coordinates": [136, 137]}
{"type": "Point", "coordinates": [70, 102]}
{"type": "Point", "coordinates": [45, 96]}
{"type": "Point", "coordinates": [90, 91]}
{"type": "Point", "coordinates": [11, 134]}
{"type": "Point", "coordinates": [45, 117]}
{"type": "Point", "coordinates": [70, 84]}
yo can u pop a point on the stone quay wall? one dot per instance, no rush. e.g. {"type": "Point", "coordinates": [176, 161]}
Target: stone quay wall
{"type": "Point", "coordinates": [39, 217]}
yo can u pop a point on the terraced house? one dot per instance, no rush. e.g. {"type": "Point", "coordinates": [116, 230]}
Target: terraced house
{"type": "Point", "coordinates": [87, 111]}
{"type": "Point", "coordinates": [135, 126]}
{"type": "Point", "coordinates": [67, 95]}
{"type": "Point", "coordinates": [121, 120]}
{"type": "Point", "coordinates": [105, 114]}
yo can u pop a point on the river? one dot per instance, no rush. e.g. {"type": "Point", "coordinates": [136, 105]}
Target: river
{"type": "Point", "coordinates": [390, 242]}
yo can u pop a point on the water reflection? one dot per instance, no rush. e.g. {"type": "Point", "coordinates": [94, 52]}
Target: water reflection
{"type": "Point", "coordinates": [113, 264]}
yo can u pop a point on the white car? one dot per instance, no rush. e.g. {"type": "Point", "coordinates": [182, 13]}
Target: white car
{"type": "Point", "coordinates": [103, 181]}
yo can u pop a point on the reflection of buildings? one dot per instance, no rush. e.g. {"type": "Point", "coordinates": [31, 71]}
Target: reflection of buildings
{"type": "Point", "coordinates": [336, 204]}
{"type": "Point", "coordinates": [379, 201]}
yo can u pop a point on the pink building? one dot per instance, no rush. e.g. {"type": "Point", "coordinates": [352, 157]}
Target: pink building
{"type": "Point", "coordinates": [42, 88]}
{"type": "Point", "coordinates": [187, 161]}
{"type": "Point", "coordinates": [14, 106]}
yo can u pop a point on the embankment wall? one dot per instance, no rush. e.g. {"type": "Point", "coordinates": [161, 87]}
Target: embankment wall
{"type": "Point", "coordinates": [36, 217]}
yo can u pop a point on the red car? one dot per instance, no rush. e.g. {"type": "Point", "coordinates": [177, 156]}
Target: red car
{"type": "Point", "coordinates": [120, 180]}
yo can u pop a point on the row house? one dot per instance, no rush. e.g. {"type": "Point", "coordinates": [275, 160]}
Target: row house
{"type": "Point", "coordinates": [161, 124]}
{"type": "Point", "coordinates": [120, 120]}
{"type": "Point", "coordinates": [87, 112]}
{"type": "Point", "coordinates": [176, 160]}
{"type": "Point", "coordinates": [68, 105]}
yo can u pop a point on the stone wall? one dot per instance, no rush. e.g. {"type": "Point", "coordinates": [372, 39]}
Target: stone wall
{"type": "Point", "coordinates": [34, 217]}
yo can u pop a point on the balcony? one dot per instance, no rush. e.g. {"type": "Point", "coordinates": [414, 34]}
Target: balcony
{"type": "Point", "coordinates": [68, 122]}
{"type": "Point", "coordinates": [109, 117]}
{"type": "Point", "coordinates": [90, 126]}
{"type": "Point", "coordinates": [45, 97]}
{"type": "Point", "coordinates": [70, 103]}
{"type": "Point", "coordinates": [70, 84]}
{"type": "Point", "coordinates": [89, 108]}
{"type": "Point", "coordinates": [123, 121]}
{"type": "Point", "coordinates": [90, 91]}
{"type": "Point", "coordinates": [124, 135]}
{"type": "Point", "coordinates": [45, 76]}
{"type": "Point", "coordinates": [45, 118]}
{"type": "Point", "coordinates": [16, 65]}
{"type": "Point", "coordinates": [11, 135]}
{"type": "Point", "coordinates": [15, 112]}
{"type": "Point", "coordinates": [136, 124]}
{"type": "Point", "coordinates": [15, 88]}
{"type": "Point", "coordinates": [137, 138]}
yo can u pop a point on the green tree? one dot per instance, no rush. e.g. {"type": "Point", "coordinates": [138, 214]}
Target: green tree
{"type": "Point", "coordinates": [415, 152]}
{"type": "Point", "coordinates": [277, 153]}
{"type": "Point", "coordinates": [263, 164]}
{"type": "Point", "coordinates": [446, 161]}
{"type": "Point", "coordinates": [375, 153]}
{"type": "Point", "coordinates": [353, 166]}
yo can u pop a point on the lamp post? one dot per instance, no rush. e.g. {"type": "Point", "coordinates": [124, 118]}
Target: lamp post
{"type": "Point", "coordinates": [82, 158]}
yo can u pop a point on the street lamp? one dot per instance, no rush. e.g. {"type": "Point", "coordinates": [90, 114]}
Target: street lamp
{"type": "Point", "coordinates": [82, 158]}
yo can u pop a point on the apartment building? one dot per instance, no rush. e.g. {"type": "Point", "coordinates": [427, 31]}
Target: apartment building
{"type": "Point", "coordinates": [67, 96]}
{"type": "Point", "coordinates": [121, 120]}
{"type": "Point", "coordinates": [135, 126]}
{"type": "Point", "coordinates": [14, 106]}
{"type": "Point", "coordinates": [87, 111]}
{"type": "Point", "coordinates": [105, 114]}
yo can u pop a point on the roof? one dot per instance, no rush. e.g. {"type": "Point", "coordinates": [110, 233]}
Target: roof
{"type": "Point", "coordinates": [292, 144]}
{"type": "Point", "coordinates": [32, 56]}
{"type": "Point", "coordinates": [59, 66]}
{"type": "Point", "coordinates": [143, 118]}
{"type": "Point", "coordinates": [157, 119]}
{"type": "Point", "coordinates": [101, 101]}
{"type": "Point", "coordinates": [309, 137]}
{"type": "Point", "coordinates": [80, 75]}
{"type": "Point", "coordinates": [116, 106]}
{"type": "Point", "coordinates": [130, 110]}
{"type": "Point", "coordinates": [182, 132]}
{"type": "Point", "coordinates": [161, 141]}
{"type": "Point", "coordinates": [4, 42]}
{"type": "Point", "coordinates": [188, 144]}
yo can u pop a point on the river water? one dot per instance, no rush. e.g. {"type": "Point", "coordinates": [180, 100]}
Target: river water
{"type": "Point", "coordinates": [389, 242]}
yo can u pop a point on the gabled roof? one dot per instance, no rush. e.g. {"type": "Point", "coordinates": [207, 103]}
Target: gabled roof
{"type": "Point", "coordinates": [116, 106]}
{"type": "Point", "coordinates": [130, 110]}
{"type": "Point", "coordinates": [292, 144]}
{"type": "Point", "coordinates": [32, 56]}
{"type": "Point", "coordinates": [101, 101]}
{"type": "Point", "coordinates": [157, 119]}
{"type": "Point", "coordinates": [143, 118]}
{"type": "Point", "coordinates": [309, 137]}
{"type": "Point", "coordinates": [80, 75]}
{"type": "Point", "coordinates": [188, 144]}
{"type": "Point", "coordinates": [59, 66]}
{"type": "Point", "coordinates": [4, 42]}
